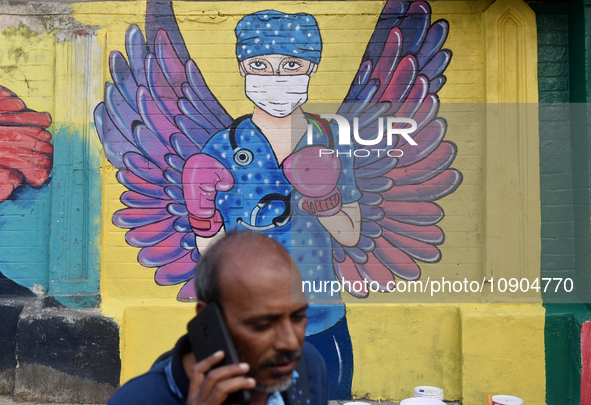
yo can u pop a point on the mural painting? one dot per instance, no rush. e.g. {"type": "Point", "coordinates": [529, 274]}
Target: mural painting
{"type": "Point", "coordinates": [192, 167]}
{"type": "Point", "coordinates": [193, 172]}
{"type": "Point", "coordinates": [26, 159]}
{"type": "Point", "coordinates": [26, 151]}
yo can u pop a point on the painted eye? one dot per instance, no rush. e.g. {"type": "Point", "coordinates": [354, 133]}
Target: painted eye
{"type": "Point", "coordinates": [292, 65]}
{"type": "Point", "coordinates": [257, 65]}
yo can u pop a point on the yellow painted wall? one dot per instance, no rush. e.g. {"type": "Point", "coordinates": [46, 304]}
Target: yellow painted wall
{"type": "Point", "coordinates": [469, 350]}
{"type": "Point", "coordinates": [27, 65]}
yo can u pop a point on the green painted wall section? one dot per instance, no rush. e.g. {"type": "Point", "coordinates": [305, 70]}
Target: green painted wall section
{"type": "Point", "coordinates": [74, 255]}
{"type": "Point", "coordinates": [563, 70]}
{"type": "Point", "coordinates": [556, 181]}
{"type": "Point", "coordinates": [563, 352]}
{"type": "Point", "coordinates": [580, 93]}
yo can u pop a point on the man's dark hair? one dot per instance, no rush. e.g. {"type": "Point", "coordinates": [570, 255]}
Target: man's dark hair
{"type": "Point", "coordinates": [207, 286]}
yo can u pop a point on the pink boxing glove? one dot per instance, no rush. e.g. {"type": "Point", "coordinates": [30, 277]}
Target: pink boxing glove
{"type": "Point", "coordinates": [315, 176]}
{"type": "Point", "coordinates": [203, 177]}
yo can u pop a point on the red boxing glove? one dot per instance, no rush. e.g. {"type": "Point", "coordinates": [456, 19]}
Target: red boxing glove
{"type": "Point", "coordinates": [203, 177]}
{"type": "Point", "coordinates": [315, 176]}
{"type": "Point", "coordinates": [26, 152]}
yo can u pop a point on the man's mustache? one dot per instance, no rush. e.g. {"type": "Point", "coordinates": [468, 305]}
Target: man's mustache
{"type": "Point", "coordinates": [282, 358]}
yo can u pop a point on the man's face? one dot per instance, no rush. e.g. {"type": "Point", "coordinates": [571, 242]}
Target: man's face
{"type": "Point", "coordinates": [275, 64]}
{"type": "Point", "coordinates": [268, 329]}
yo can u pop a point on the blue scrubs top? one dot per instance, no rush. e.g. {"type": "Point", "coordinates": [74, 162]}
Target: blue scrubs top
{"type": "Point", "coordinates": [308, 242]}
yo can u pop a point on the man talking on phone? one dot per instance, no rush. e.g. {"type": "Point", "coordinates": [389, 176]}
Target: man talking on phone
{"type": "Point", "coordinates": [251, 277]}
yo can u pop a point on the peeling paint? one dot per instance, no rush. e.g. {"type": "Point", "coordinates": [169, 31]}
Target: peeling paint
{"type": "Point", "coordinates": [44, 17]}
{"type": "Point", "coordinates": [207, 16]}
{"type": "Point", "coordinates": [38, 289]}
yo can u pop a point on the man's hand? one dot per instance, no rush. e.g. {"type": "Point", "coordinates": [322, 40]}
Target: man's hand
{"type": "Point", "coordinates": [214, 388]}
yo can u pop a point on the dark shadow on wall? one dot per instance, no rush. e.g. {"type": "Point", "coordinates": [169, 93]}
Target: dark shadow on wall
{"type": "Point", "coordinates": [50, 351]}
{"type": "Point", "coordinates": [10, 289]}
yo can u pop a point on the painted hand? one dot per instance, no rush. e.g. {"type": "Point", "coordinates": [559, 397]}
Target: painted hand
{"type": "Point", "coordinates": [203, 177]}
{"type": "Point", "coordinates": [26, 152]}
{"type": "Point", "coordinates": [315, 176]}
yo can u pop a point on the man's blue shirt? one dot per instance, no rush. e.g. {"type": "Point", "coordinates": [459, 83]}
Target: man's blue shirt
{"type": "Point", "coordinates": [167, 382]}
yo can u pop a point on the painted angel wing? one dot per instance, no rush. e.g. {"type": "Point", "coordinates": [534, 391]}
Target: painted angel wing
{"type": "Point", "coordinates": [26, 152]}
{"type": "Point", "coordinates": [400, 75]}
{"type": "Point", "coordinates": [156, 113]}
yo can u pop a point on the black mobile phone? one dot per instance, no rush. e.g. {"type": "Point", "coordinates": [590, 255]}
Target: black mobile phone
{"type": "Point", "coordinates": [208, 333]}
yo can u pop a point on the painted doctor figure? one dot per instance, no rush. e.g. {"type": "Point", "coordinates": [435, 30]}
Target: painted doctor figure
{"type": "Point", "coordinates": [260, 174]}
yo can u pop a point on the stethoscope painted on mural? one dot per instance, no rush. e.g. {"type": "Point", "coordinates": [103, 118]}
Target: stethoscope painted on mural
{"type": "Point", "coordinates": [244, 157]}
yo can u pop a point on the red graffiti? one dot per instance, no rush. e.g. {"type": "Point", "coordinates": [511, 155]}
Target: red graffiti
{"type": "Point", "coordinates": [26, 152]}
{"type": "Point", "coordinates": [586, 363]}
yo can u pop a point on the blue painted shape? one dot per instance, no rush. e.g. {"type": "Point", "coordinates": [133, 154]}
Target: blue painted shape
{"type": "Point", "coordinates": [24, 236]}
{"type": "Point", "coordinates": [74, 254]}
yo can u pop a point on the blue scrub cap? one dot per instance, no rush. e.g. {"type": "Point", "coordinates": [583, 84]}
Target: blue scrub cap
{"type": "Point", "coordinates": [270, 31]}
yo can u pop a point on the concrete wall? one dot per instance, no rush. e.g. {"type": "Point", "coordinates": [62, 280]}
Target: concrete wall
{"type": "Point", "coordinates": [462, 342]}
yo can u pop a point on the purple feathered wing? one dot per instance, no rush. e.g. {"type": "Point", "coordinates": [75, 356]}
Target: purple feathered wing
{"type": "Point", "coordinates": [156, 113]}
{"type": "Point", "coordinates": [400, 75]}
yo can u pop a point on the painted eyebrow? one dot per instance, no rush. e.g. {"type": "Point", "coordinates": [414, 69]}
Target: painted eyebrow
{"type": "Point", "coordinates": [263, 61]}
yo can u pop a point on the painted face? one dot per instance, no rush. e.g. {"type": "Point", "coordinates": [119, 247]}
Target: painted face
{"type": "Point", "coordinates": [277, 84]}
{"type": "Point", "coordinates": [268, 329]}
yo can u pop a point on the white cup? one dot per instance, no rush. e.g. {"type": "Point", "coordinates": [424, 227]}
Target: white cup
{"type": "Point", "coordinates": [426, 391]}
{"type": "Point", "coordinates": [506, 400]}
{"type": "Point", "coordinates": [421, 401]}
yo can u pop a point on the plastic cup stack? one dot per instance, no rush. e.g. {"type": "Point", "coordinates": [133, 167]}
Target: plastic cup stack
{"type": "Point", "coordinates": [429, 392]}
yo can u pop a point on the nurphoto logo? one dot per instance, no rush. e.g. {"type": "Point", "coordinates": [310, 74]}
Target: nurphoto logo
{"type": "Point", "coordinates": [394, 126]}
